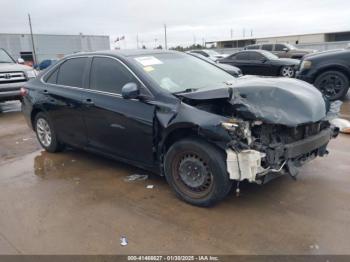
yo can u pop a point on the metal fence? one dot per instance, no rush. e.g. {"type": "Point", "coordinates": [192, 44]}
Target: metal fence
{"type": "Point", "coordinates": [315, 46]}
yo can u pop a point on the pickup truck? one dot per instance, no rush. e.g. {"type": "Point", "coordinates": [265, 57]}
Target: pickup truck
{"type": "Point", "coordinates": [13, 76]}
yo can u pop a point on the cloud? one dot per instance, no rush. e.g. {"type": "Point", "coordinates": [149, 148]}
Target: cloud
{"type": "Point", "coordinates": [187, 20]}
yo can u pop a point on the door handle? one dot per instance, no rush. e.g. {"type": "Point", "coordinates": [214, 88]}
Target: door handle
{"type": "Point", "coordinates": [88, 102]}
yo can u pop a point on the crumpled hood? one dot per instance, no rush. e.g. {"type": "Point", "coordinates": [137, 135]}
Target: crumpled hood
{"type": "Point", "coordinates": [282, 101]}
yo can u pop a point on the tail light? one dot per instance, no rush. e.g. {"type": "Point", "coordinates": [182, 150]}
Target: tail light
{"type": "Point", "coordinates": [23, 92]}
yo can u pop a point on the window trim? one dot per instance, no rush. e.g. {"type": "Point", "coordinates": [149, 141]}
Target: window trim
{"type": "Point", "coordinates": [58, 64]}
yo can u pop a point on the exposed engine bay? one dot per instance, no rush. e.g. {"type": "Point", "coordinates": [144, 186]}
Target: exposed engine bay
{"type": "Point", "coordinates": [273, 132]}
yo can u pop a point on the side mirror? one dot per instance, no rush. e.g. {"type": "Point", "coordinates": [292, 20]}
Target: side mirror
{"type": "Point", "coordinates": [20, 61]}
{"type": "Point", "coordinates": [285, 49]}
{"type": "Point", "coordinates": [130, 91]}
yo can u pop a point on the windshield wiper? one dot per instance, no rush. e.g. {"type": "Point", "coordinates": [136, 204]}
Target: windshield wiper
{"type": "Point", "coordinates": [188, 90]}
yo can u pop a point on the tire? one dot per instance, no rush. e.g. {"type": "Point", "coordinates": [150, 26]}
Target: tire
{"type": "Point", "coordinates": [333, 84]}
{"type": "Point", "coordinates": [287, 71]}
{"type": "Point", "coordinates": [196, 171]}
{"type": "Point", "coordinates": [46, 134]}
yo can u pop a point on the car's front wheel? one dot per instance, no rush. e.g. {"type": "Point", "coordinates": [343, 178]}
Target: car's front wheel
{"type": "Point", "coordinates": [46, 134]}
{"type": "Point", "coordinates": [333, 84]}
{"type": "Point", "coordinates": [287, 71]}
{"type": "Point", "coordinates": [196, 170]}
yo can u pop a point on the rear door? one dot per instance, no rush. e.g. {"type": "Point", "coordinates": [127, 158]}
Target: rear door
{"type": "Point", "coordinates": [117, 126]}
{"type": "Point", "coordinates": [64, 100]}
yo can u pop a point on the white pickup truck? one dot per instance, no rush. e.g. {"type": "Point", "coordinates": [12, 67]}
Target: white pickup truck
{"type": "Point", "coordinates": [13, 76]}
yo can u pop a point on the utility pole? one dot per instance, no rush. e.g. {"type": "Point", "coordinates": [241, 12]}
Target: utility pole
{"type": "Point", "coordinates": [243, 32]}
{"type": "Point", "coordinates": [231, 33]}
{"type": "Point", "coordinates": [165, 38]}
{"type": "Point", "coordinates": [31, 35]}
{"type": "Point", "coordinates": [251, 32]}
{"type": "Point", "coordinates": [137, 41]}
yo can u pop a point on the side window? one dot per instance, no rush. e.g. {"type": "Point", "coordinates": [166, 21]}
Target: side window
{"type": "Point", "coordinates": [52, 78]}
{"type": "Point", "coordinates": [109, 75]}
{"type": "Point", "coordinates": [279, 47]}
{"type": "Point", "coordinates": [255, 56]}
{"type": "Point", "coordinates": [242, 56]}
{"type": "Point", "coordinates": [71, 72]}
{"type": "Point", "coordinates": [267, 47]}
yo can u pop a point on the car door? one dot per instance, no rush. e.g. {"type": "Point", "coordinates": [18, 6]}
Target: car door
{"type": "Point", "coordinates": [64, 92]}
{"type": "Point", "coordinates": [239, 60]}
{"type": "Point", "coordinates": [260, 65]}
{"type": "Point", "coordinates": [117, 126]}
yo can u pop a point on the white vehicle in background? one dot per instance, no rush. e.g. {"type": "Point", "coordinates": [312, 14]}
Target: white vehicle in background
{"type": "Point", "coordinates": [13, 75]}
{"type": "Point", "coordinates": [209, 53]}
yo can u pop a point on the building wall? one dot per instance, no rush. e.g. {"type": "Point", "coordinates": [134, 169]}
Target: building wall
{"type": "Point", "coordinates": [52, 46]}
{"type": "Point", "coordinates": [295, 39]}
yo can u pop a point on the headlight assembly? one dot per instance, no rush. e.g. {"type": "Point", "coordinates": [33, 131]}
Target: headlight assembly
{"type": "Point", "coordinates": [305, 65]}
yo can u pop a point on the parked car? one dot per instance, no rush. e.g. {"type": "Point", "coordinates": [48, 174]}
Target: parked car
{"type": "Point", "coordinates": [329, 71]}
{"type": "Point", "coordinates": [180, 117]}
{"type": "Point", "coordinates": [45, 64]}
{"type": "Point", "coordinates": [232, 70]}
{"type": "Point", "coordinates": [12, 76]}
{"type": "Point", "coordinates": [282, 50]}
{"type": "Point", "coordinates": [211, 54]}
{"type": "Point", "coordinates": [260, 62]}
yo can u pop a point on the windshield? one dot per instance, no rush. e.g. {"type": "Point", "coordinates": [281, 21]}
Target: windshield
{"type": "Point", "coordinates": [269, 55]}
{"type": "Point", "coordinates": [5, 58]}
{"type": "Point", "coordinates": [211, 52]}
{"type": "Point", "coordinates": [181, 72]}
{"type": "Point", "coordinates": [291, 47]}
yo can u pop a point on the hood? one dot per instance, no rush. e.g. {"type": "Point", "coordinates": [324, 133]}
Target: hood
{"type": "Point", "coordinates": [8, 67]}
{"type": "Point", "coordinates": [281, 101]}
{"type": "Point", "coordinates": [327, 53]}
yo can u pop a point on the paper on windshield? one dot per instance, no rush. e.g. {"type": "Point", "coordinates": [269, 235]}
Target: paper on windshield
{"type": "Point", "coordinates": [148, 60]}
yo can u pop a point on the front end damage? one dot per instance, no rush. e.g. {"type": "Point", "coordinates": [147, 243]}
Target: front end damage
{"type": "Point", "coordinates": [273, 150]}
{"type": "Point", "coordinates": [274, 125]}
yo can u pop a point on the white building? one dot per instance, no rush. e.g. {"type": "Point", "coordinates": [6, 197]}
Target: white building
{"type": "Point", "coordinates": [51, 46]}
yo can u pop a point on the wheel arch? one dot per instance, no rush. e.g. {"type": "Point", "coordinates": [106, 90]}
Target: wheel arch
{"type": "Point", "coordinates": [338, 68]}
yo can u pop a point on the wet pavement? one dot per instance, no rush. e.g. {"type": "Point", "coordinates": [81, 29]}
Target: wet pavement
{"type": "Point", "coordinates": [79, 203]}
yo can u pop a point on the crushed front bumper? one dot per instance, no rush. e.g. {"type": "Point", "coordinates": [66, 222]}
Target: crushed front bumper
{"type": "Point", "coordinates": [246, 164]}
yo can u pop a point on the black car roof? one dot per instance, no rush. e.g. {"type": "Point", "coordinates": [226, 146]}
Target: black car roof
{"type": "Point", "coordinates": [126, 52]}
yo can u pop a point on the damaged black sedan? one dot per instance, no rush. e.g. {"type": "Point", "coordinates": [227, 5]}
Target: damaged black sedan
{"type": "Point", "coordinates": [180, 117]}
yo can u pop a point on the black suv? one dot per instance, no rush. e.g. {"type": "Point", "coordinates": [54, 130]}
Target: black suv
{"type": "Point", "coordinates": [329, 71]}
{"type": "Point", "coordinates": [179, 116]}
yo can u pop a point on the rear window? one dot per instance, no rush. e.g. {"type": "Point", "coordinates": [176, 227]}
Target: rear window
{"type": "Point", "coordinates": [71, 72]}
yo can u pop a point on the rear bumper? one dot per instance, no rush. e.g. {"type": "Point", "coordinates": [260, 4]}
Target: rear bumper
{"type": "Point", "coordinates": [10, 91]}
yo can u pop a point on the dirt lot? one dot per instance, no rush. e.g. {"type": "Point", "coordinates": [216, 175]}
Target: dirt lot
{"type": "Point", "coordinates": [78, 203]}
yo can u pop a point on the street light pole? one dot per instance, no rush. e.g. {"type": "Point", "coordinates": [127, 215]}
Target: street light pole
{"type": "Point", "coordinates": [165, 38]}
{"type": "Point", "coordinates": [32, 37]}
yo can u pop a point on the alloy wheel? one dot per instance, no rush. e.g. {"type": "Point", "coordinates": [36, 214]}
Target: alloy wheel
{"type": "Point", "coordinates": [331, 85]}
{"type": "Point", "coordinates": [287, 71]}
{"type": "Point", "coordinates": [44, 132]}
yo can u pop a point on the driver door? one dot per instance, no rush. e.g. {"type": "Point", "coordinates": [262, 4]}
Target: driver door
{"type": "Point", "coordinates": [117, 126]}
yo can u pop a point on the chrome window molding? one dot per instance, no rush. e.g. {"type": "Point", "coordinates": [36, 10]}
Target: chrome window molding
{"type": "Point", "coordinates": [88, 89]}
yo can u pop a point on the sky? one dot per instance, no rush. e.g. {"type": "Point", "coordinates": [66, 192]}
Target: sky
{"type": "Point", "coordinates": [188, 21]}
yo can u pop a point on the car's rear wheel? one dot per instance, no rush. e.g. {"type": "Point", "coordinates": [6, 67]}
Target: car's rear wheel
{"type": "Point", "coordinates": [196, 170]}
{"type": "Point", "coordinates": [287, 71]}
{"type": "Point", "coordinates": [333, 84]}
{"type": "Point", "coordinates": [46, 134]}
